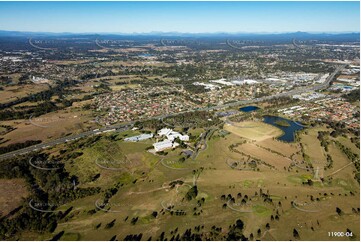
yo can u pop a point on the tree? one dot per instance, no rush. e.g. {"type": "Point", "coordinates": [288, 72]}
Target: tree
{"type": "Point", "coordinates": [192, 193]}
{"type": "Point", "coordinates": [57, 236]}
{"type": "Point", "coordinates": [236, 231]}
{"type": "Point", "coordinates": [134, 220]}
{"type": "Point", "coordinates": [339, 211]}
{"type": "Point", "coordinates": [110, 225]}
{"type": "Point", "coordinates": [268, 226]}
{"type": "Point", "coordinates": [295, 234]}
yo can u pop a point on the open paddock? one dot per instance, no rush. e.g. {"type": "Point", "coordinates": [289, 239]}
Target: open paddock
{"type": "Point", "coordinates": [270, 158]}
{"type": "Point", "coordinates": [49, 126]}
{"type": "Point", "coordinates": [12, 93]}
{"type": "Point", "coordinates": [339, 158]}
{"type": "Point", "coordinates": [312, 146]}
{"type": "Point", "coordinates": [147, 189]}
{"type": "Point", "coordinates": [286, 149]}
{"type": "Point", "coordinates": [253, 130]}
{"type": "Point", "coordinates": [12, 192]}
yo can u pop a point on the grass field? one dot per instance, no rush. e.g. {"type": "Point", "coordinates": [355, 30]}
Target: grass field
{"type": "Point", "coordinates": [12, 93]}
{"type": "Point", "coordinates": [147, 189]}
{"type": "Point", "coordinates": [315, 152]}
{"type": "Point", "coordinates": [50, 126]}
{"type": "Point", "coordinates": [347, 142]}
{"type": "Point", "coordinates": [280, 147]}
{"type": "Point", "coordinates": [13, 190]}
{"type": "Point", "coordinates": [340, 159]}
{"type": "Point", "coordinates": [271, 158]}
{"type": "Point", "coordinates": [126, 86]}
{"type": "Point", "coordinates": [254, 130]}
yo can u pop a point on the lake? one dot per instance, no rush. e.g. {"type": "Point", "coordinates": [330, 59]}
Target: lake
{"type": "Point", "coordinates": [249, 109]}
{"type": "Point", "coordinates": [289, 131]}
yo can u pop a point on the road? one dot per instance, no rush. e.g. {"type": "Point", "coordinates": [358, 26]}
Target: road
{"type": "Point", "coordinates": [127, 126]}
{"type": "Point", "coordinates": [64, 140]}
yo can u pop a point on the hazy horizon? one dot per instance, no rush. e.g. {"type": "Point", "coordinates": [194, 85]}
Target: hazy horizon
{"type": "Point", "coordinates": [180, 17]}
{"type": "Point", "coordinates": [184, 33]}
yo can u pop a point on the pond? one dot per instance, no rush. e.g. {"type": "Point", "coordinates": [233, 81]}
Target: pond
{"type": "Point", "coordinates": [247, 109]}
{"type": "Point", "coordinates": [289, 127]}
{"type": "Point", "coordinates": [145, 55]}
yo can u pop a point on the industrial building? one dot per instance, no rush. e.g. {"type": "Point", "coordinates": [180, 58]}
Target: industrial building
{"type": "Point", "coordinates": [163, 145]}
{"type": "Point", "coordinates": [139, 137]}
{"type": "Point", "coordinates": [172, 135]}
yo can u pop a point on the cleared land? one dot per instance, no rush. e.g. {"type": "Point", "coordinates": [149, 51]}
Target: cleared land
{"type": "Point", "coordinates": [254, 130]}
{"type": "Point", "coordinates": [49, 126]}
{"type": "Point", "coordinates": [271, 158]}
{"type": "Point", "coordinates": [147, 189]}
{"type": "Point", "coordinates": [312, 148]}
{"type": "Point", "coordinates": [12, 191]}
{"type": "Point", "coordinates": [280, 147]}
{"type": "Point", "coordinates": [12, 93]}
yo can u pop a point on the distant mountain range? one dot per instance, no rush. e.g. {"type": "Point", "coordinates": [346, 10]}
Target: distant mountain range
{"type": "Point", "coordinates": [354, 36]}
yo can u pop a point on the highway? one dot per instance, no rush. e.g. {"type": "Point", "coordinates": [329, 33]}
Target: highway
{"type": "Point", "coordinates": [129, 125]}
{"type": "Point", "coordinates": [64, 140]}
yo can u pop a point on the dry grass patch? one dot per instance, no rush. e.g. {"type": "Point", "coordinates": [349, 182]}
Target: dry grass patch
{"type": "Point", "coordinates": [12, 192]}
{"type": "Point", "coordinates": [312, 146]}
{"type": "Point", "coordinates": [126, 86]}
{"type": "Point", "coordinates": [254, 130]}
{"type": "Point", "coordinates": [347, 142]}
{"type": "Point", "coordinates": [273, 159]}
{"type": "Point", "coordinates": [12, 93]}
{"type": "Point", "coordinates": [49, 126]}
{"type": "Point", "coordinates": [285, 148]}
{"type": "Point", "coordinates": [339, 158]}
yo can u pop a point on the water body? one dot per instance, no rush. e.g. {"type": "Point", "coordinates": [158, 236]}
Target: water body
{"type": "Point", "coordinates": [289, 131]}
{"type": "Point", "coordinates": [145, 55]}
{"type": "Point", "coordinates": [249, 109]}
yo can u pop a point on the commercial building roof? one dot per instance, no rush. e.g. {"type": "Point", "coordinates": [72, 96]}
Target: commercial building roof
{"type": "Point", "coordinates": [139, 137]}
{"type": "Point", "coordinates": [166, 144]}
{"type": "Point", "coordinates": [172, 135]}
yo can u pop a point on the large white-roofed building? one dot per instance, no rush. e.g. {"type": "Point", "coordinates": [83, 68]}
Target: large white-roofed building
{"type": "Point", "coordinates": [172, 135]}
{"type": "Point", "coordinates": [242, 82]}
{"type": "Point", "coordinates": [163, 145]}
{"type": "Point", "coordinates": [223, 82]}
{"type": "Point", "coordinates": [139, 137]}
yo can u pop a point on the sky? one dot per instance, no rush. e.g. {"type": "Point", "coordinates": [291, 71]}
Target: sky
{"type": "Point", "coordinates": [186, 17]}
